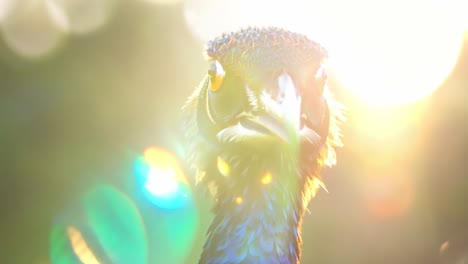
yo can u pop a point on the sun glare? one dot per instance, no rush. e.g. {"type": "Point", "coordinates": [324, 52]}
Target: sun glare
{"type": "Point", "coordinates": [385, 52]}
{"type": "Point", "coordinates": [389, 61]}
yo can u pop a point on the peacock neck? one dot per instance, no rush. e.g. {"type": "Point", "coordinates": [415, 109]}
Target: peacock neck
{"type": "Point", "coordinates": [256, 224]}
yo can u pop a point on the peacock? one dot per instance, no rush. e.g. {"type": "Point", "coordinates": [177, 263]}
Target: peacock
{"type": "Point", "coordinates": [261, 126]}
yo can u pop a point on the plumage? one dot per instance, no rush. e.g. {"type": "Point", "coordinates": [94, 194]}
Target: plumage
{"type": "Point", "coordinates": [260, 126]}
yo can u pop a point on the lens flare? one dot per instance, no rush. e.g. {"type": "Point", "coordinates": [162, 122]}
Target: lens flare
{"type": "Point", "coordinates": [159, 183]}
{"type": "Point", "coordinates": [443, 248]}
{"type": "Point", "coordinates": [117, 224]}
{"type": "Point", "coordinates": [29, 29]}
{"type": "Point", "coordinates": [162, 179]}
{"type": "Point", "coordinates": [80, 247]}
{"type": "Point", "coordinates": [378, 49]}
{"type": "Point", "coordinates": [454, 250]}
{"type": "Point", "coordinates": [5, 6]}
{"type": "Point", "coordinates": [389, 196]}
{"type": "Point", "coordinates": [162, 2]}
{"type": "Point", "coordinates": [61, 251]}
{"type": "Point", "coordinates": [172, 234]}
{"type": "Point", "coordinates": [83, 16]}
{"type": "Point", "coordinates": [105, 227]}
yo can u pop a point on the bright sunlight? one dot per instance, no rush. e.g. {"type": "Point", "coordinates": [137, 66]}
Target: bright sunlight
{"type": "Point", "coordinates": [385, 52]}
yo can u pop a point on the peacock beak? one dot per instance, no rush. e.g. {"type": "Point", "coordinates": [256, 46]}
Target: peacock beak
{"type": "Point", "coordinates": [279, 119]}
{"type": "Point", "coordinates": [281, 114]}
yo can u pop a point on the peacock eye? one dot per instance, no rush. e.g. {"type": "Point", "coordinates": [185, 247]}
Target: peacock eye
{"type": "Point", "coordinates": [216, 73]}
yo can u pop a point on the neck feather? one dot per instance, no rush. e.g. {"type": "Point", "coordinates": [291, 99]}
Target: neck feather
{"type": "Point", "coordinates": [258, 213]}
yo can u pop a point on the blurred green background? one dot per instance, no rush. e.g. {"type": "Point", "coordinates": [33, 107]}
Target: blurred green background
{"type": "Point", "coordinates": [74, 121]}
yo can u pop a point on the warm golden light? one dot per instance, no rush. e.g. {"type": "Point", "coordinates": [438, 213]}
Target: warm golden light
{"type": "Point", "coordinates": [389, 128]}
{"type": "Point", "coordinates": [163, 2]}
{"type": "Point", "coordinates": [239, 200]}
{"type": "Point", "coordinates": [223, 167]}
{"type": "Point", "coordinates": [386, 52]}
{"type": "Point", "coordinates": [79, 246]}
{"type": "Point", "coordinates": [396, 61]}
{"type": "Point", "coordinates": [443, 248]}
{"type": "Point", "coordinates": [266, 179]}
{"type": "Point", "coordinates": [315, 186]}
{"type": "Point", "coordinates": [389, 196]}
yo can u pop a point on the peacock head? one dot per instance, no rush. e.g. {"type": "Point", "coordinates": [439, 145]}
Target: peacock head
{"type": "Point", "coordinates": [266, 90]}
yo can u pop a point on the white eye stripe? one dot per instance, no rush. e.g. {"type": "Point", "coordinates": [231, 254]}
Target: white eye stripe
{"type": "Point", "coordinates": [219, 69]}
{"type": "Point", "coordinates": [207, 107]}
{"type": "Point", "coordinates": [216, 69]}
{"type": "Point", "coordinates": [321, 73]}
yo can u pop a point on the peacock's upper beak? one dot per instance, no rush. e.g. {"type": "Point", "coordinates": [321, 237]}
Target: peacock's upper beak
{"type": "Point", "coordinates": [280, 116]}
{"type": "Point", "coordinates": [278, 120]}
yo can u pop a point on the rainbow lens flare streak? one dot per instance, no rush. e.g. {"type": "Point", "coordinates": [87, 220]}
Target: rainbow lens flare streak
{"type": "Point", "coordinates": [161, 179]}
{"type": "Point", "coordinates": [105, 227]}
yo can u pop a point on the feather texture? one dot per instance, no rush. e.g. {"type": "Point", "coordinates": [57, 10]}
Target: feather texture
{"type": "Point", "coordinates": [256, 147]}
